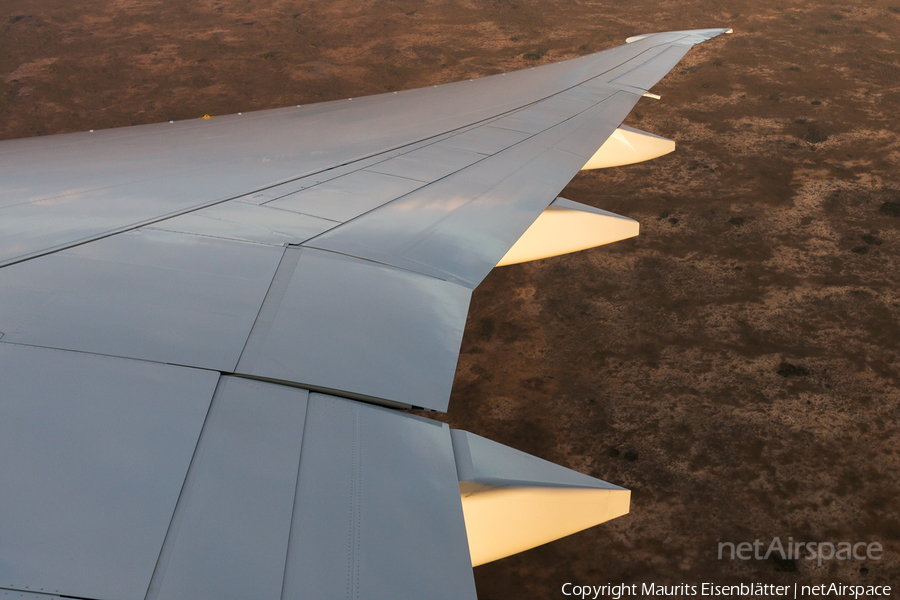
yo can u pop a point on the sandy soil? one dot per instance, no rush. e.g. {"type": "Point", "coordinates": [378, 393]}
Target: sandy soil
{"type": "Point", "coordinates": [737, 365]}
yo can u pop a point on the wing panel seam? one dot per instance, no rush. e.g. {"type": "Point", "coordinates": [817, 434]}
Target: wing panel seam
{"type": "Point", "coordinates": [165, 550]}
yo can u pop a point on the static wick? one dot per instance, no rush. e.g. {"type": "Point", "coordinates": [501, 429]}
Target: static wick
{"type": "Point", "coordinates": [654, 96]}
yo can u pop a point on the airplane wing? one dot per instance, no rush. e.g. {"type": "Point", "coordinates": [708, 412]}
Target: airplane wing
{"type": "Point", "coordinates": [206, 328]}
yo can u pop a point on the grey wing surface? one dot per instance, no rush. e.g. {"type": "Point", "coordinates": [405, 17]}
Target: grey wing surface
{"type": "Point", "coordinates": [205, 327]}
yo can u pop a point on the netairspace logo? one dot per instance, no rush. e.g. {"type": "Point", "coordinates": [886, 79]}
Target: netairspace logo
{"type": "Point", "coordinates": [819, 551]}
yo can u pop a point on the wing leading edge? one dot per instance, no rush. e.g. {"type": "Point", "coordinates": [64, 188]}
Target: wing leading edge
{"type": "Point", "coordinates": [233, 277]}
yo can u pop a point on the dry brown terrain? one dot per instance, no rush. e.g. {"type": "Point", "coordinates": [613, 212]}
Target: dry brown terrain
{"type": "Point", "coordinates": [737, 366]}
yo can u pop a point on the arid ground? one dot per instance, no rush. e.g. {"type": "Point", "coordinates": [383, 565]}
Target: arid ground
{"type": "Point", "coordinates": [737, 365]}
